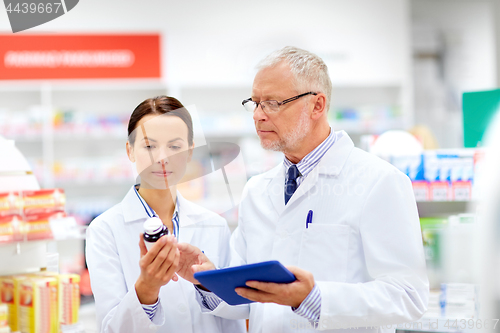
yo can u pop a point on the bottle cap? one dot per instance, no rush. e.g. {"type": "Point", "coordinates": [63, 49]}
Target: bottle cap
{"type": "Point", "coordinates": [152, 225]}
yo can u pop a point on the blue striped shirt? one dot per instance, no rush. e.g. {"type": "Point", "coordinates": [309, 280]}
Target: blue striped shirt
{"type": "Point", "coordinates": [208, 299]}
{"type": "Point", "coordinates": [309, 162]}
{"type": "Point", "coordinates": [310, 308]}
{"type": "Point", "coordinates": [151, 309]}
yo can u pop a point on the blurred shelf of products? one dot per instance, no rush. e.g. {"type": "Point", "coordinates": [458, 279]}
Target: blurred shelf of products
{"type": "Point", "coordinates": [40, 288]}
{"type": "Point", "coordinates": [445, 184]}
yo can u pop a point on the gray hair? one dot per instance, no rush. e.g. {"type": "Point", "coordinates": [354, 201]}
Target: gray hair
{"type": "Point", "coordinates": [309, 70]}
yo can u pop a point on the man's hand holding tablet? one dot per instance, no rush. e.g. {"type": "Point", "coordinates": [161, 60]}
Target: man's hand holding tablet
{"type": "Point", "coordinates": [260, 282]}
{"type": "Point", "coordinates": [292, 294]}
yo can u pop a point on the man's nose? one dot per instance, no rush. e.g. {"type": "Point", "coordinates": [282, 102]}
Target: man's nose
{"type": "Point", "coordinates": [259, 113]}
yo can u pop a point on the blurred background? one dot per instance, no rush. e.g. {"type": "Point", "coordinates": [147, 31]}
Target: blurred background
{"type": "Point", "coordinates": [426, 67]}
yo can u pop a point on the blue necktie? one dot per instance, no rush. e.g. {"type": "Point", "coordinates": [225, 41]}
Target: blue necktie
{"type": "Point", "coordinates": [291, 183]}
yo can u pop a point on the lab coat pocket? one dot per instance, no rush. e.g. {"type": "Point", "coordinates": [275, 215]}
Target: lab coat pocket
{"type": "Point", "coordinates": [323, 251]}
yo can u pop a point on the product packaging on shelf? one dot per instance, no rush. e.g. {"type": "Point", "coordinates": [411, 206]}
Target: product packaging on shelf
{"type": "Point", "coordinates": [38, 305]}
{"type": "Point", "coordinates": [69, 298]}
{"type": "Point", "coordinates": [441, 175]}
{"type": "Point", "coordinates": [43, 201]}
{"type": "Point", "coordinates": [38, 226]}
{"type": "Point", "coordinates": [10, 286]}
{"type": "Point", "coordinates": [4, 315]}
{"type": "Point", "coordinates": [434, 305]}
{"type": "Point", "coordinates": [10, 203]}
{"type": "Point", "coordinates": [40, 302]}
{"type": "Point", "coordinates": [6, 301]}
{"type": "Point", "coordinates": [432, 228]}
{"type": "Point", "coordinates": [12, 228]}
{"type": "Point", "coordinates": [459, 300]}
{"type": "Point", "coordinates": [413, 167]}
{"type": "Point", "coordinates": [25, 215]}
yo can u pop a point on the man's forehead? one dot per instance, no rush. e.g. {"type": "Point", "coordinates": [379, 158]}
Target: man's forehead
{"type": "Point", "coordinates": [273, 82]}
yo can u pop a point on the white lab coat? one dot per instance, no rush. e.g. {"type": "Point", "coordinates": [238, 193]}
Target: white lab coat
{"type": "Point", "coordinates": [113, 260]}
{"type": "Point", "coordinates": [364, 245]}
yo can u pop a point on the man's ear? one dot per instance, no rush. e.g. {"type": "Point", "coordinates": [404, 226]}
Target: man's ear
{"type": "Point", "coordinates": [130, 152]}
{"type": "Point", "coordinates": [319, 108]}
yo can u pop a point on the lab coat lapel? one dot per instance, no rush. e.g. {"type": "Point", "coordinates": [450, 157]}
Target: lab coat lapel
{"type": "Point", "coordinates": [132, 208]}
{"type": "Point", "coordinates": [188, 218]}
{"type": "Point", "coordinates": [276, 188]}
{"type": "Point", "coordinates": [306, 185]}
{"type": "Point", "coordinates": [335, 158]}
{"type": "Point", "coordinates": [331, 164]}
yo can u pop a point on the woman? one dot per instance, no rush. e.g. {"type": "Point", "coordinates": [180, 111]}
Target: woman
{"type": "Point", "coordinates": [137, 290]}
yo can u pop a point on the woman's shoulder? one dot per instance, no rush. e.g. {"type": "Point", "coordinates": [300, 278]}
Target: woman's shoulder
{"type": "Point", "coordinates": [199, 213]}
{"type": "Point", "coordinates": [113, 216]}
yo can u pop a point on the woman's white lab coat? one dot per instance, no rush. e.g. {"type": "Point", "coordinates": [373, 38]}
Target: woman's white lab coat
{"type": "Point", "coordinates": [364, 245]}
{"type": "Point", "coordinates": [113, 260]}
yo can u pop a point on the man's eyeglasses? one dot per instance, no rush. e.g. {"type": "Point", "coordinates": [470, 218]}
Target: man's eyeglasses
{"type": "Point", "coordinates": [272, 105]}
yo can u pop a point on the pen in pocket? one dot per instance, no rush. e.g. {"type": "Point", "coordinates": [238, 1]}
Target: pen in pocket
{"type": "Point", "coordinates": [309, 218]}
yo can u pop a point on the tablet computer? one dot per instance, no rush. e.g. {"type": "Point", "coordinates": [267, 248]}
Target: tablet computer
{"type": "Point", "coordinates": [223, 281]}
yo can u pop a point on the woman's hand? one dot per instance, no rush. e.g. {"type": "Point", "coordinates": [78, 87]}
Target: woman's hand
{"type": "Point", "coordinates": [158, 267]}
{"type": "Point", "coordinates": [192, 260]}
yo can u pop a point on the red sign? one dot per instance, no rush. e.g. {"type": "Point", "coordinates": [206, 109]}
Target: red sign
{"type": "Point", "coordinates": [27, 57]}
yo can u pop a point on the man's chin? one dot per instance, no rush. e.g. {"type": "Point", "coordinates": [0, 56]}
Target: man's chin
{"type": "Point", "coordinates": [272, 145]}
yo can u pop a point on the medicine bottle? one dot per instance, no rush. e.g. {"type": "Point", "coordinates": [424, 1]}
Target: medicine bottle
{"type": "Point", "coordinates": [153, 230]}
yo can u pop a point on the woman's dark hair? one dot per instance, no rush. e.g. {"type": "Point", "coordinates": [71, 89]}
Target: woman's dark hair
{"type": "Point", "coordinates": [157, 106]}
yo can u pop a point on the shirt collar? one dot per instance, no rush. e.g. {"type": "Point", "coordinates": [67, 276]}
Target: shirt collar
{"type": "Point", "coordinates": [145, 205]}
{"type": "Point", "coordinates": [306, 164]}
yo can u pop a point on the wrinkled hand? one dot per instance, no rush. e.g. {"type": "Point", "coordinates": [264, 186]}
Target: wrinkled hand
{"type": "Point", "coordinates": [192, 260]}
{"type": "Point", "coordinates": [291, 294]}
{"type": "Point", "coordinates": [158, 266]}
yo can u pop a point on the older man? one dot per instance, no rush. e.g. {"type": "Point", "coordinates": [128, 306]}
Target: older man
{"type": "Point", "coordinates": [359, 261]}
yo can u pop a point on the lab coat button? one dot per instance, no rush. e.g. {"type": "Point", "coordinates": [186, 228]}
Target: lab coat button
{"type": "Point", "coordinates": [182, 308]}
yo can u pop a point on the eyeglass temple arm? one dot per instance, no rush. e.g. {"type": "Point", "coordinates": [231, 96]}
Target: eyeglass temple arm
{"type": "Point", "coordinates": [297, 97]}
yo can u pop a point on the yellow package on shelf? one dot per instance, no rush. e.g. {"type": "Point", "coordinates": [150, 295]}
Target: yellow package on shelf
{"type": "Point", "coordinates": [9, 287]}
{"type": "Point", "coordinates": [4, 315]}
{"type": "Point", "coordinates": [7, 301]}
{"type": "Point", "coordinates": [69, 298]}
{"type": "Point", "coordinates": [38, 305]}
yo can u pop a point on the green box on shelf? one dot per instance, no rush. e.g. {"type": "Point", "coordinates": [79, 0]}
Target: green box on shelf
{"type": "Point", "coordinates": [431, 237]}
{"type": "Point", "coordinates": [478, 109]}
{"type": "Point", "coordinates": [433, 222]}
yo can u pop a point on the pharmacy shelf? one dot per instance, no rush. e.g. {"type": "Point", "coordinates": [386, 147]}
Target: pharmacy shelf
{"type": "Point", "coordinates": [443, 208]}
{"type": "Point", "coordinates": [358, 127]}
{"type": "Point", "coordinates": [30, 256]}
{"type": "Point", "coordinates": [115, 182]}
{"type": "Point", "coordinates": [22, 257]}
{"type": "Point", "coordinates": [25, 256]}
